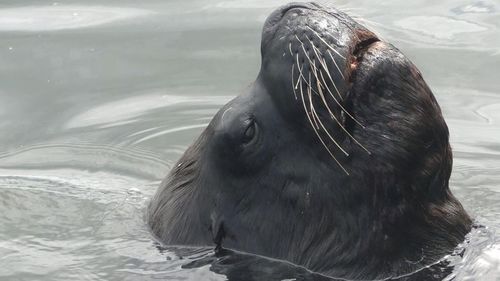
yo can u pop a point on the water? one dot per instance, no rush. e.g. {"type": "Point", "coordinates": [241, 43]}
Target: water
{"type": "Point", "coordinates": [98, 101]}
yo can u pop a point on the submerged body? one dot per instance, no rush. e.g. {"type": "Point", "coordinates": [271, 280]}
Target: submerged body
{"type": "Point", "coordinates": [337, 158]}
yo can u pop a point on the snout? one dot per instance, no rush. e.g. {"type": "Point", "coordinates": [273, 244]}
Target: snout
{"type": "Point", "coordinates": [313, 39]}
{"type": "Point", "coordinates": [279, 13]}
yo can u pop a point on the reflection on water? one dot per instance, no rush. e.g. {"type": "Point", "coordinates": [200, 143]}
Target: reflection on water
{"type": "Point", "coordinates": [56, 17]}
{"type": "Point", "coordinates": [438, 27]}
{"type": "Point", "coordinates": [98, 101]}
{"type": "Point", "coordinates": [120, 112]}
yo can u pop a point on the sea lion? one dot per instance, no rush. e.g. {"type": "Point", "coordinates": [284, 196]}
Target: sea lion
{"type": "Point", "coordinates": [336, 159]}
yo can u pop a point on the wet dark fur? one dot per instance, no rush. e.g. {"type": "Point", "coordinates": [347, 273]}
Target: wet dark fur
{"type": "Point", "coordinates": [279, 194]}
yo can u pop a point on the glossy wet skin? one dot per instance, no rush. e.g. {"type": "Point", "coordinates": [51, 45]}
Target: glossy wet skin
{"type": "Point", "coordinates": [336, 158]}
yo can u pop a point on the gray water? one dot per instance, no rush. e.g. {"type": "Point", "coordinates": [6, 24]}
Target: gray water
{"type": "Point", "coordinates": [98, 99]}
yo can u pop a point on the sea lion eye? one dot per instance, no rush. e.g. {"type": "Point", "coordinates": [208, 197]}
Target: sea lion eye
{"type": "Point", "coordinates": [250, 132]}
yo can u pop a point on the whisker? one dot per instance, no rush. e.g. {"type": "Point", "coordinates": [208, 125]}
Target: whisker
{"type": "Point", "coordinates": [341, 125]}
{"type": "Point", "coordinates": [304, 49]}
{"type": "Point", "coordinates": [321, 123]}
{"type": "Point", "coordinates": [364, 21]}
{"type": "Point", "coordinates": [355, 16]}
{"type": "Point", "coordinates": [304, 78]}
{"type": "Point", "coordinates": [306, 110]}
{"type": "Point", "coordinates": [300, 71]}
{"type": "Point", "coordinates": [293, 84]}
{"type": "Point", "coordinates": [348, 9]}
{"type": "Point", "coordinates": [335, 63]}
{"type": "Point", "coordinates": [305, 107]}
{"type": "Point", "coordinates": [340, 105]}
{"type": "Point", "coordinates": [313, 112]}
{"type": "Point", "coordinates": [317, 134]}
{"type": "Point", "coordinates": [326, 43]}
{"type": "Point", "coordinates": [333, 83]}
{"type": "Point", "coordinates": [301, 76]}
{"type": "Point", "coordinates": [331, 94]}
{"type": "Point", "coordinates": [304, 87]}
{"type": "Point", "coordinates": [305, 81]}
{"type": "Point", "coordinates": [318, 82]}
{"type": "Point", "coordinates": [323, 63]}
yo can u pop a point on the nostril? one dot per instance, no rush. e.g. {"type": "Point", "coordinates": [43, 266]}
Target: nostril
{"type": "Point", "coordinates": [362, 46]}
{"type": "Point", "coordinates": [358, 53]}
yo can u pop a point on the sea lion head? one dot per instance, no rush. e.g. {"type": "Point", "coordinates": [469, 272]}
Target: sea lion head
{"type": "Point", "coordinates": [337, 158]}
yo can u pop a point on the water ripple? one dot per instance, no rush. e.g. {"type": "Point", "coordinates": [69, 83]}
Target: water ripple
{"type": "Point", "coordinates": [121, 111]}
{"type": "Point", "coordinates": [438, 27]}
{"type": "Point", "coordinates": [47, 18]}
{"type": "Point", "coordinates": [128, 161]}
{"type": "Point", "coordinates": [169, 131]}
